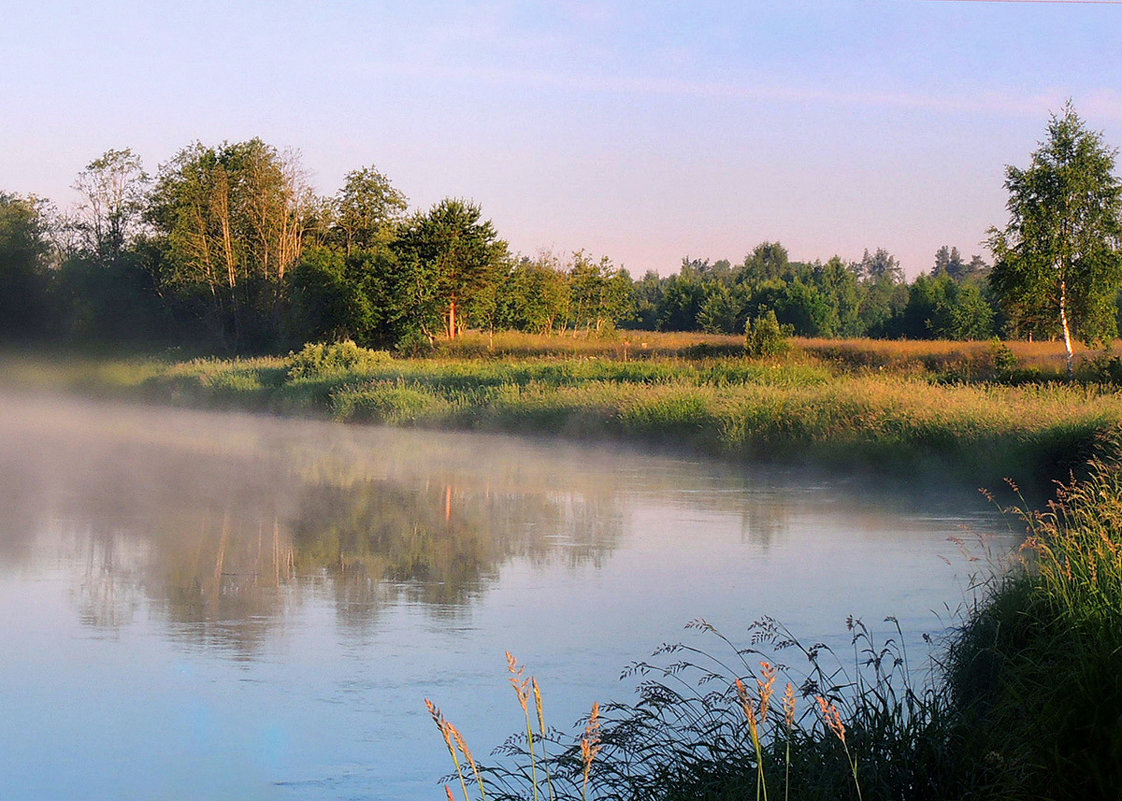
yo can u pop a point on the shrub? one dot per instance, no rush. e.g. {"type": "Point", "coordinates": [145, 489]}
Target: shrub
{"type": "Point", "coordinates": [414, 343]}
{"type": "Point", "coordinates": [316, 359]}
{"type": "Point", "coordinates": [763, 336]}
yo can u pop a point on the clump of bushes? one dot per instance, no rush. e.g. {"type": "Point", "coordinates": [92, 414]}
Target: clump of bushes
{"type": "Point", "coordinates": [318, 358]}
{"type": "Point", "coordinates": [763, 336]}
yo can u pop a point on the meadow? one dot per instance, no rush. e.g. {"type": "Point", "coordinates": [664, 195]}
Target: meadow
{"type": "Point", "coordinates": [975, 413]}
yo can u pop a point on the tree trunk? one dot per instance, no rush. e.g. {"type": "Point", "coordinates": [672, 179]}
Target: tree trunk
{"type": "Point", "coordinates": [452, 318]}
{"type": "Point", "coordinates": [1064, 325]}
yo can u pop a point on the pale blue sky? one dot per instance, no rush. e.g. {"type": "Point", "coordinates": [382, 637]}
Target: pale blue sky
{"type": "Point", "coordinates": [644, 131]}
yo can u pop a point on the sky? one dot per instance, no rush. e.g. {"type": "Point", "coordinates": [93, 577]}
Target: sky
{"type": "Point", "coordinates": [642, 131]}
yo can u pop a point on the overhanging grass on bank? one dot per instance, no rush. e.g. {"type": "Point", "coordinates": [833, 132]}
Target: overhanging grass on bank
{"type": "Point", "coordinates": [1026, 704]}
{"type": "Point", "coordinates": [792, 408]}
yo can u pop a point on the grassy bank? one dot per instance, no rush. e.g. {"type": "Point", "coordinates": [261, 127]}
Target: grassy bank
{"type": "Point", "coordinates": [1024, 701]}
{"type": "Point", "coordinates": [891, 408]}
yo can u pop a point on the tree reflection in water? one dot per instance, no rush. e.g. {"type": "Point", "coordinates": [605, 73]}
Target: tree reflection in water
{"type": "Point", "coordinates": [226, 531]}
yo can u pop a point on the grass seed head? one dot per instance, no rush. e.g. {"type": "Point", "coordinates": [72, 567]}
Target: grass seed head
{"type": "Point", "coordinates": [832, 718]}
{"type": "Point", "coordinates": [538, 705]}
{"type": "Point", "coordinates": [590, 743]}
{"type": "Point", "coordinates": [789, 706]}
{"type": "Point", "coordinates": [517, 681]}
{"type": "Point", "coordinates": [767, 687]}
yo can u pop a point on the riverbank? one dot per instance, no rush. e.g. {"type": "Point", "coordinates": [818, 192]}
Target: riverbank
{"type": "Point", "coordinates": [1023, 703]}
{"type": "Point", "coordinates": [973, 412]}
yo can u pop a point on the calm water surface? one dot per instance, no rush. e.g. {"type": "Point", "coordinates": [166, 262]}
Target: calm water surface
{"type": "Point", "coordinates": [226, 606]}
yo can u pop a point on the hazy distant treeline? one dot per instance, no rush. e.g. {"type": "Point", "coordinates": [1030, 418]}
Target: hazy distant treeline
{"type": "Point", "coordinates": [227, 248]}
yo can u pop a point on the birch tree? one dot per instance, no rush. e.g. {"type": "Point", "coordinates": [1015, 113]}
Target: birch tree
{"type": "Point", "coordinates": [1057, 265]}
{"type": "Point", "coordinates": [113, 188]}
{"type": "Point", "coordinates": [233, 220]}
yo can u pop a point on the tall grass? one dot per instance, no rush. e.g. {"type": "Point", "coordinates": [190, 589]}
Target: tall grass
{"type": "Point", "coordinates": [714, 724]}
{"type": "Point", "coordinates": [894, 420]}
{"type": "Point", "coordinates": [1037, 669]}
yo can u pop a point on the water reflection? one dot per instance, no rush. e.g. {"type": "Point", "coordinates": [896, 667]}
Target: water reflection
{"type": "Point", "coordinates": [224, 527]}
{"type": "Point", "coordinates": [227, 523]}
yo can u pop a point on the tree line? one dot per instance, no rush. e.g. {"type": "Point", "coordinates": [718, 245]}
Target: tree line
{"type": "Point", "coordinates": [227, 248]}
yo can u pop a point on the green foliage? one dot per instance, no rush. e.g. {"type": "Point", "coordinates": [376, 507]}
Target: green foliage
{"type": "Point", "coordinates": [599, 293]}
{"type": "Point", "coordinates": [880, 267]}
{"type": "Point", "coordinates": [767, 262]}
{"type": "Point", "coordinates": [114, 188]}
{"type": "Point", "coordinates": [110, 302]}
{"type": "Point", "coordinates": [718, 313]}
{"type": "Point", "coordinates": [24, 250]}
{"type": "Point", "coordinates": [681, 302]}
{"type": "Point", "coordinates": [228, 250]}
{"type": "Point", "coordinates": [941, 308]}
{"type": "Point", "coordinates": [804, 310]}
{"type": "Point", "coordinates": [1035, 670]}
{"type": "Point", "coordinates": [838, 283]}
{"type": "Point", "coordinates": [367, 211]}
{"type": "Point", "coordinates": [446, 255]}
{"type": "Point", "coordinates": [318, 359]}
{"type": "Point", "coordinates": [1104, 367]}
{"type": "Point", "coordinates": [535, 296]}
{"type": "Point", "coordinates": [232, 221]}
{"type": "Point", "coordinates": [763, 336]}
{"type": "Point", "coordinates": [414, 344]}
{"type": "Point", "coordinates": [1057, 264]}
{"type": "Point", "coordinates": [1004, 360]}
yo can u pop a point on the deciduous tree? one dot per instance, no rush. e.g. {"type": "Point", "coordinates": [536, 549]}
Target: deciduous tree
{"type": "Point", "coordinates": [367, 210]}
{"type": "Point", "coordinates": [1057, 264]}
{"type": "Point", "coordinates": [24, 249]}
{"type": "Point", "coordinates": [114, 191]}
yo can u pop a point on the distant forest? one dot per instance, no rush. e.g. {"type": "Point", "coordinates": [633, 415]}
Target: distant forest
{"type": "Point", "coordinates": [227, 249]}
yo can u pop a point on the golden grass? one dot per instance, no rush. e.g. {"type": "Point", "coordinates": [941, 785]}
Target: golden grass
{"type": "Point", "coordinates": [1047, 356]}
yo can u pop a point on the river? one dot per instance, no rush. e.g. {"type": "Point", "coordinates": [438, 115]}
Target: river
{"type": "Point", "coordinates": [231, 606]}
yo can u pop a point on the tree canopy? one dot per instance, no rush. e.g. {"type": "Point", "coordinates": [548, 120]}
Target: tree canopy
{"type": "Point", "coordinates": [228, 249]}
{"type": "Point", "coordinates": [1057, 265]}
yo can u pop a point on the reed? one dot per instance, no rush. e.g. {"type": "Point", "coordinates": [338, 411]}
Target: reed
{"type": "Point", "coordinates": [697, 732]}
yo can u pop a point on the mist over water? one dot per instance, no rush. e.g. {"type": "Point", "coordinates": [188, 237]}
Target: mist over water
{"type": "Point", "coordinates": [200, 605]}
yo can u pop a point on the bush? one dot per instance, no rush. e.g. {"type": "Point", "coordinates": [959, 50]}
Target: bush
{"type": "Point", "coordinates": [763, 336]}
{"type": "Point", "coordinates": [414, 344]}
{"type": "Point", "coordinates": [1102, 368]}
{"type": "Point", "coordinates": [316, 359]}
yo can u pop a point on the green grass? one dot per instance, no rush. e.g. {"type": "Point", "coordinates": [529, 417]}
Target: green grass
{"type": "Point", "coordinates": [1037, 669]}
{"type": "Point", "coordinates": [878, 411]}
